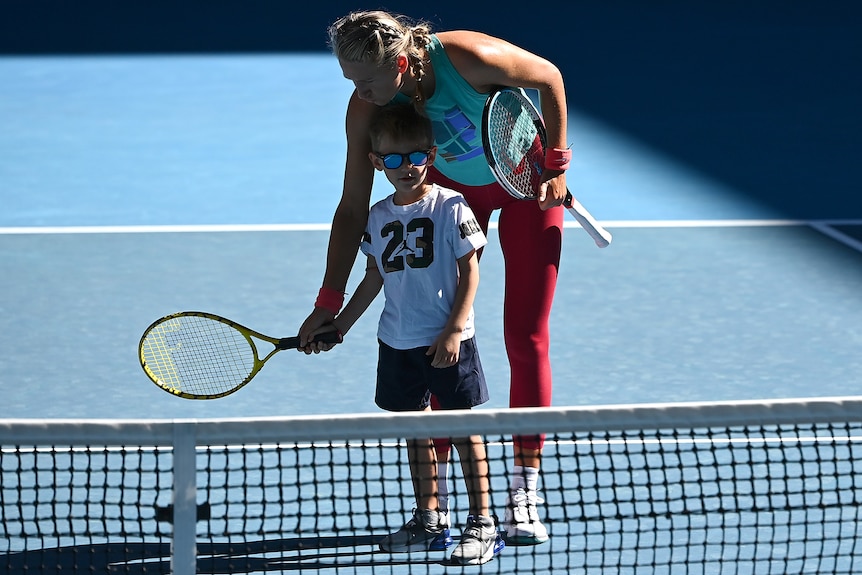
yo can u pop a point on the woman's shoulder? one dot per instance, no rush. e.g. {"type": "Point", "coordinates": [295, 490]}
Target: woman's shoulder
{"type": "Point", "coordinates": [468, 42]}
{"type": "Point", "coordinates": [474, 53]}
{"type": "Point", "coordinates": [465, 38]}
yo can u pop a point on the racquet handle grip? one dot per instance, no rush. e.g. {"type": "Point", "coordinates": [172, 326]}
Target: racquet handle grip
{"type": "Point", "coordinates": [600, 235]}
{"type": "Point", "coordinates": [293, 342]}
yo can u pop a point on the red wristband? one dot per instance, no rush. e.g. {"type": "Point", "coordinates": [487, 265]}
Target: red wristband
{"type": "Point", "coordinates": [329, 299]}
{"type": "Point", "coordinates": [558, 159]}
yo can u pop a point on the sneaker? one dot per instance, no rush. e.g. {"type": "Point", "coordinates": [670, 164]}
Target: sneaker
{"type": "Point", "coordinates": [523, 526]}
{"type": "Point", "coordinates": [444, 539]}
{"type": "Point", "coordinates": [480, 542]}
{"type": "Point", "coordinates": [417, 534]}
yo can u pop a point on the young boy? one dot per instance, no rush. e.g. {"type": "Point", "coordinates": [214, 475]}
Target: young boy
{"type": "Point", "coordinates": [421, 244]}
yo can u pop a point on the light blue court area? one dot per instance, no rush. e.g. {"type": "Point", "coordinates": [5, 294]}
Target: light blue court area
{"type": "Point", "coordinates": [170, 140]}
{"type": "Point", "coordinates": [135, 187]}
{"type": "Point", "coordinates": [207, 139]}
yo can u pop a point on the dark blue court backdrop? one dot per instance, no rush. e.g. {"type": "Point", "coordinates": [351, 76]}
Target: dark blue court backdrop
{"type": "Point", "coordinates": [761, 95]}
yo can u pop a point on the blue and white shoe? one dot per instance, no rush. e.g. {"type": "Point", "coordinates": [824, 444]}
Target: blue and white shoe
{"type": "Point", "coordinates": [444, 539]}
{"type": "Point", "coordinates": [480, 542]}
{"type": "Point", "coordinates": [418, 534]}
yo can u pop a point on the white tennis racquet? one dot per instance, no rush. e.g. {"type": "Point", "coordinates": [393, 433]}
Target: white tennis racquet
{"type": "Point", "coordinates": [514, 139]}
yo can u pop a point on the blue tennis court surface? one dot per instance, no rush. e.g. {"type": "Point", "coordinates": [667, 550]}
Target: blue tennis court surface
{"type": "Point", "coordinates": [705, 293]}
{"type": "Point", "coordinates": [137, 186]}
{"type": "Point", "coordinates": [713, 140]}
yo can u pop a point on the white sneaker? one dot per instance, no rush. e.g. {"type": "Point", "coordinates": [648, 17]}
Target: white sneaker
{"type": "Point", "coordinates": [523, 526]}
{"type": "Point", "coordinates": [479, 542]}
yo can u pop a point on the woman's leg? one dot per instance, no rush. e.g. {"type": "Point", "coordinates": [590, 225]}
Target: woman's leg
{"type": "Point", "coordinates": [531, 241]}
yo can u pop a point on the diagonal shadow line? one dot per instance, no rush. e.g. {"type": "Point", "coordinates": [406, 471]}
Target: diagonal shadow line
{"type": "Point", "coordinates": [225, 558]}
{"type": "Point", "coordinates": [213, 557]}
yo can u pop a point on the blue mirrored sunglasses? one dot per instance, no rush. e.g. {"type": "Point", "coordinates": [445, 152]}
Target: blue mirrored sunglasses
{"type": "Point", "coordinates": [393, 161]}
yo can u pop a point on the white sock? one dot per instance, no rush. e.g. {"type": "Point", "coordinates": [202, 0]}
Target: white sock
{"type": "Point", "coordinates": [443, 486]}
{"type": "Point", "coordinates": [526, 478]}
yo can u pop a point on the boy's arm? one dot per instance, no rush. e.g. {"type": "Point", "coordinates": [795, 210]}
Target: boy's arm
{"type": "Point", "coordinates": [365, 293]}
{"type": "Point", "coordinates": [447, 347]}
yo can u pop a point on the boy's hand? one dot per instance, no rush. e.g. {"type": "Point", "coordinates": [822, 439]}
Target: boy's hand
{"type": "Point", "coordinates": [445, 350]}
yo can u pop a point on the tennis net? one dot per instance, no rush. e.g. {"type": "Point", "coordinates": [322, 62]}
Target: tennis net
{"type": "Point", "coordinates": [688, 488]}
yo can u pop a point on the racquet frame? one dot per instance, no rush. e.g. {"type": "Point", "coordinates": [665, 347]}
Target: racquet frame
{"type": "Point", "coordinates": [149, 340]}
{"type": "Point", "coordinates": [498, 158]}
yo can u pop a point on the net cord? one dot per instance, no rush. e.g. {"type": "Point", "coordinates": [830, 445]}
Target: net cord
{"type": "Point", "coordinates": [622, 417]}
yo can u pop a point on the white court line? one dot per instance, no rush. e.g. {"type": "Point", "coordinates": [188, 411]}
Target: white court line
{"type": "Point", "coordinates": [717, 223]}
{"type": "Point", "coordinates": [164, 229]}
{"type": "Point", "coordinates": [820, 225]}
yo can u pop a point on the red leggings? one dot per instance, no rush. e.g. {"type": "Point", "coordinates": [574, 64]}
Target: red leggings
{"type": "Point", "coordinates": [531, 240]}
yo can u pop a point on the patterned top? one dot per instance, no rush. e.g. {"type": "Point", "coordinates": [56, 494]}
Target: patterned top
{"type": "Point", "coordinates": [416, 248]}
{"type": "Point", "coordinates": [455, 110]}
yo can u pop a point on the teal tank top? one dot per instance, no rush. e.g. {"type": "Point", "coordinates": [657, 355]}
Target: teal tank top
{"type": "Point", "coordinates": [455, 110]}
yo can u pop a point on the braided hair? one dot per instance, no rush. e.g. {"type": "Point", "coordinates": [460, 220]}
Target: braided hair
{"type": "Point", "coordinates": [377, 37]}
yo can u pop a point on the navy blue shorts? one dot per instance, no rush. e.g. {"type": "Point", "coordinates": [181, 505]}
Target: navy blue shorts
{"type": "Point", "coordinates": [406, 380]}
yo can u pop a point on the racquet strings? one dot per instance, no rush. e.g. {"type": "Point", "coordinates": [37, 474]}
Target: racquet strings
{"type": "Point", "coordinates": [198, 355]}
{"type": "Point", "coordinates": [516, 144]}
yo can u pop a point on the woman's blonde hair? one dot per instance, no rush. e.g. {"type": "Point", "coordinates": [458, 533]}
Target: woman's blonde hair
{"type": "Point", "coordinates": [377, 37]}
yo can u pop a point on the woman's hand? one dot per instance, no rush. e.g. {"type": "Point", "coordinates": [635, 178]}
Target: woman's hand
{"type": "Point", "coordinates": [319, 321]}
{"type": "Point", "coordinates": [552, 190]}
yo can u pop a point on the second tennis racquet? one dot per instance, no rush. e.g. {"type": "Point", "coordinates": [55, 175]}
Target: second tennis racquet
{"type": "Point", "coordinates": [514, 140]}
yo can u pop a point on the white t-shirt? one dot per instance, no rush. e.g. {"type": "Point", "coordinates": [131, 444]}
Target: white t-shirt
{"type": "Point", "coordinates": [416, 248]}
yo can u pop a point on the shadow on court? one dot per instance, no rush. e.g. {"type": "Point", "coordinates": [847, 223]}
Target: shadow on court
{"type": "Point", "coordinates": [310, 553]}
{"type": "Point", "coordinates": [124, 557]}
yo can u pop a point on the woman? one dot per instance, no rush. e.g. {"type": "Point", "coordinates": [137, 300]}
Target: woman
{"type": "Point", "coordinates": [448, 77]}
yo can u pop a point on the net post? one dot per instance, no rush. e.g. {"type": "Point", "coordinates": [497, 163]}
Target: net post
{"type": "Point", "coordinates": [183, 544]}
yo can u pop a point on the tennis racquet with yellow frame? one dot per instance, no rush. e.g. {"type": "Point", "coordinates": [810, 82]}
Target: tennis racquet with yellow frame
{"type": "Point", "coordinates": [199, 355]}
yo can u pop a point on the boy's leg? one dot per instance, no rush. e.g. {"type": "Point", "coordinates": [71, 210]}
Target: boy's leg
{"type": "Point", "coordinates": [463, 387]}
{"type": "Point", "coordinates": [398, 372]}
{"type": "Point", "coordinates": [427, 485]}
{"type": "Point", "coordinates": [480, 541]}
{"type": "Point", "coordinates": [474, 466]}
{"type": "Point", "coordinates": [423, 529]}
{"type": "Point", "coordinates": [423, 469]}
{"type": "Point", "coordinates": [443, 446]}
